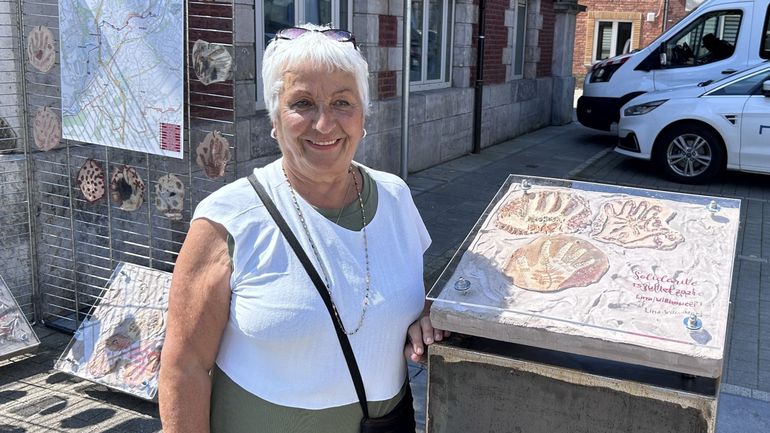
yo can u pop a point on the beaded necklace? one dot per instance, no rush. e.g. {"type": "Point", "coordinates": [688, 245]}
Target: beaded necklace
{"type": "Point", "coordinates": [327, 283]}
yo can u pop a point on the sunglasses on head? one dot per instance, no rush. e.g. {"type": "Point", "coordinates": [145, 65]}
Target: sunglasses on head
{"type": "Point", "coordinates": [338, 35]}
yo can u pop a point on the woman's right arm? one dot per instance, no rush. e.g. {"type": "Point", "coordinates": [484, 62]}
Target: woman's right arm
{"type": "Point", "coordinates": [199, 305]}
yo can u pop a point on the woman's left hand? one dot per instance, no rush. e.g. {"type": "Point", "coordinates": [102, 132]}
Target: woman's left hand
{"type": "Point", "coordinates": [421, 334]}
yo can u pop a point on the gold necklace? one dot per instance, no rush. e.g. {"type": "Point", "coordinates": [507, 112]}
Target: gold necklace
{"type": "Point", "coordinates": [327, 283]}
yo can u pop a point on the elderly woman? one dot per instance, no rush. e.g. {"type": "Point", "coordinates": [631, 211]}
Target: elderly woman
{"type": "Point", "coordinates": [250, 346]}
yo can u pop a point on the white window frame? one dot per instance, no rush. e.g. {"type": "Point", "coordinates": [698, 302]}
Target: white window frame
{"type": "Point", "coordinates": [446, 54]}
{"type": "Point", "coordinates": [613, 37]}
{"type": "Point", "coordinates": [523, 41]}
{"type": "Point", "coordinates": [299, 18]}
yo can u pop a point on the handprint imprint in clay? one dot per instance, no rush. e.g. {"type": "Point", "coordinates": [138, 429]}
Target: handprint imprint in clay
{"type": "Point", "coordinates": [553, 263]}
{"type": "Point", "coordinates": [636, 223]}
{"type": "Point", "coordinates": [544, 212]}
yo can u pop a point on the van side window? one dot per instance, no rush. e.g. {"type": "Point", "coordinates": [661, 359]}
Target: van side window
{"type": "Point", "coordinates": [750, 85]}
{"type": "Point", "coordinates": [708, 39]}
{"type": "Point", "coordinates": [764, 48]}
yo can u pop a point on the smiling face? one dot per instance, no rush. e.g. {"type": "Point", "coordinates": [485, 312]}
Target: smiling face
{"type": "Point", "coordinates": [319, 123]}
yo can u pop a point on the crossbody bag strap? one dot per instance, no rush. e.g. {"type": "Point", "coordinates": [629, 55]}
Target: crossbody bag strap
{"type": "Point", "coordinates": [350, 358]}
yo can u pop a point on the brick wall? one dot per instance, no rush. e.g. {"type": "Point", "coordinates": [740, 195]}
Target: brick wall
{"type": "Point", "coordinates": [496, 41]}
{"type": "Point", "coordinates": [388, 30]}
{"type": "Point", "coordinates": [387, 83]}
{"type": "Point", "coordinates": [546, 39]}
{"type": "Point", "coordinates": [643, 32]}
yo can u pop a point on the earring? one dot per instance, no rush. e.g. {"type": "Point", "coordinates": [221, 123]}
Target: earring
{"type": "Point", "coordinates": [364, 136]}
{"type": "Point", "coordinates": [272, 134]}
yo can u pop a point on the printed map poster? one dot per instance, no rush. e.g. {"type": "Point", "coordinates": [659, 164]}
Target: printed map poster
{"type": "Point", "coordinates": [122, 66]}
{"type": "Point", "coordinates": [631, 275]}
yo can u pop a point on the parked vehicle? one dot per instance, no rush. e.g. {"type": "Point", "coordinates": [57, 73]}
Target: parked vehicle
{"type": "Point", "coordinates": [694, 132]}
{"type": "Point", "coordinates": [716, 39]}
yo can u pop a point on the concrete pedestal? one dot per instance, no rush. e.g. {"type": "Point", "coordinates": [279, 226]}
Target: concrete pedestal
{"type": "Point", "coordinates": [479, 385]}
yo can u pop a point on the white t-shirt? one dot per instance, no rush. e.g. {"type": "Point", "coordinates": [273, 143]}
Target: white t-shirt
{"type": "Point", "coordinates": [279, 342]}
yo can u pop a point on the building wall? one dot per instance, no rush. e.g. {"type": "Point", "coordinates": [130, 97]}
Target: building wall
{"type": "Point", "coordinates": [546, 39]}
{"type": "Point", "coordinates": [441, 119]}
{"type": "Point", "coordinates": [643, 30]}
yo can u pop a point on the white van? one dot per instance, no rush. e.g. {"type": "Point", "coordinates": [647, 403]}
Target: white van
{"type": "Point", "coordinates": [717, 38]}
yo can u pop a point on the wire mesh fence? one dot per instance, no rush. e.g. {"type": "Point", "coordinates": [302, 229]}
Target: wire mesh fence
{"type": "Point", "coordinates": [79, 241]}
{"type": "Point", "coordinates": [16, 248]}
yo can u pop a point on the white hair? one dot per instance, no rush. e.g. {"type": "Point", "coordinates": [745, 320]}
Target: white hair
{"type": "Point", "coordinates": [320, 51]}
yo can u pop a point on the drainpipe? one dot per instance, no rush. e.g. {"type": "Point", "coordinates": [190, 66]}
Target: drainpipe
{"type": "Point", "coordinates": [405, 69]}
{"type": "Point", "coordinates": [479, 85]}
{"type": "Point", "coordinates": [665, 15]}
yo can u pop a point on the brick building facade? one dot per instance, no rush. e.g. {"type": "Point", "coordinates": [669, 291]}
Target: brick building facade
{"type": "Point", "coordinates": [528, 85]}
{"type": "Point", "coordinates": [614, 19]}
{"type": "Point", "coordinates": [519, 85]}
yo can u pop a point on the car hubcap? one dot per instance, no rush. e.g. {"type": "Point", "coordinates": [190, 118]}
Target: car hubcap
{"type": "Point", "coordinates": [689, 155]}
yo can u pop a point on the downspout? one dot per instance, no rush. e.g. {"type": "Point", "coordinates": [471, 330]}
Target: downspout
{"type": "Point", "coordinates": [665, 15]}
{"type": "Point", "coordinates": [405, 69]}
{"type": "Point", "coordinates": [479, 85]}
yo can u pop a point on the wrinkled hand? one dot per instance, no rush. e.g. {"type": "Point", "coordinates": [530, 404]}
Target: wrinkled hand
{"type": "Point", "coordinates": [636, 223]}
{"type": "Point", "coordinates": [421, 334]}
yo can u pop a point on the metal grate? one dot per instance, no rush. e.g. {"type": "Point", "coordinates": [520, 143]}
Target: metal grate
{"type": "Point", "coordinates": [79, 243]}
{"type": "Point", "coordinates": [16, 248]}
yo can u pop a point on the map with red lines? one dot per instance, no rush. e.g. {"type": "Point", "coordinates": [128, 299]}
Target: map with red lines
{"type": "Point", "coordinates": [122, 66]}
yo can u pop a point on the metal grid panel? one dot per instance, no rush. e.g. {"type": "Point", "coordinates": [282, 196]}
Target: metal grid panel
{"type": "Point", "coordinates": [16, 246]}
{"type": "Point", "coordinates": [80, 243]}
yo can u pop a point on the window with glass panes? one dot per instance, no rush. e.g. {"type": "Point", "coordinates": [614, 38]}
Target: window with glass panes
{"type": "Point", "coordinates": [519, 31]}
{"type": "Point", "coordinates": [611, 38]}
{"type": "Point", "coordinates": [429, 53]}
{"type": "Point", "coordinates": [273, 15]}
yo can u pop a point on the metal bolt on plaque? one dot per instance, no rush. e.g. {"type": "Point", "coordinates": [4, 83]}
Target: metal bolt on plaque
{"type": "Point", "coordinates": [462, 285]}
{"type": "Point", "coordinates": [525, 185]}
{"type": "Point", "coordinates": [692, 322]}
{"type": "Point", "coordinates": [713, 207]}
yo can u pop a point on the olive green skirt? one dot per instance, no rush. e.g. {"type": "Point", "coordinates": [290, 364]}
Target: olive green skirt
{"type": "Point", "coordinates": [235, 410]}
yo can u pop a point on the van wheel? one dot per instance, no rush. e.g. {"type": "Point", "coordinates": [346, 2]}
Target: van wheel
{"type": "Point", "coordinates": [690, 153]}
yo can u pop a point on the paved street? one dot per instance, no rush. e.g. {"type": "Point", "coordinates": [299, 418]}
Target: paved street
{"type": "Point", "coordinates": [33, 398]}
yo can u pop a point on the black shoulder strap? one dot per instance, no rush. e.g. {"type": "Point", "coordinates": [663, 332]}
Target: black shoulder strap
{"type": "Point", "coordinates": [350, 358]}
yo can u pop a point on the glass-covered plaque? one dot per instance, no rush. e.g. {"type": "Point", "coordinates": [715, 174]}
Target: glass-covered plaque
{"type": "Point", "coordinates": [16, 336]}
{"type": "Point", "coordinates": [119, 344]}
{"type": "Point", "coordinates": [619, 273]}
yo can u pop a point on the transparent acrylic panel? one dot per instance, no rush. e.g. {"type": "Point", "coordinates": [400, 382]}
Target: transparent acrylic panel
{"type": "Point", "coordinates": [16, 336]}
{"type": "Point", "coordinates": [119, 344]}
{"type": "Point", "coordinates": [597, 270]}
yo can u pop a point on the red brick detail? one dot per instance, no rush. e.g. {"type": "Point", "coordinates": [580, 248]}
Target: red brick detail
{"type": "Point", "coordinates": [386, 84]}
{"type": "Point", "coordinates": [546, 39]}
{"type": "Point", "coordinates": [649, 30]}
{"type": "Point", "coordinates": [496, 39]}
{"type": "Point", "coordinates": [388, 30]}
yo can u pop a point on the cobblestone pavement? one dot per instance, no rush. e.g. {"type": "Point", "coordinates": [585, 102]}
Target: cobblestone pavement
{"type": "Point", "coordinates": [451, 197]}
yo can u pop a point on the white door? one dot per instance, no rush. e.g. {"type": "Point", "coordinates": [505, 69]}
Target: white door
{"type": "Point", "coordinates": [755, 134]}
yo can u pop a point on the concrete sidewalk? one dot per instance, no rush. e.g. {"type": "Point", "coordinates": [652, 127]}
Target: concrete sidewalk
{"type": "Point", "coordinates": [450, 197]}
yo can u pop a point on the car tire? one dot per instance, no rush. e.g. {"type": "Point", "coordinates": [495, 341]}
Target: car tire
{"type": "Point", "coordinates": [690, 153]}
